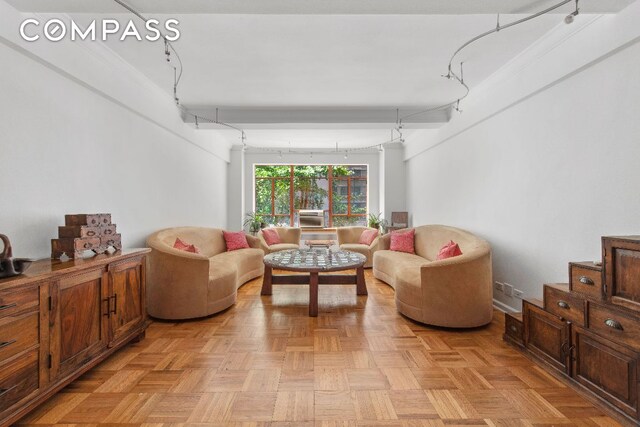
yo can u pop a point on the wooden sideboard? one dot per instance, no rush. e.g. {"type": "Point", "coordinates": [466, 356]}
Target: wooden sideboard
{"type": "Point", "coordinates": [60, 319]}
{"type": "Point", "coordinates": [588, 330]}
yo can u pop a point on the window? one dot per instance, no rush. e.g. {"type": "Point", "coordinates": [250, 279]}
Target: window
{"type": "Point", "coordinates": [339, 191]}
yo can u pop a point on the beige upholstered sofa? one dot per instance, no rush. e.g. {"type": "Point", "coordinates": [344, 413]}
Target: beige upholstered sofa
{"type": "Point", "coordinates": [455, 292]}
{"type": "Point", "coordinates": [184, 285]}
{"type": "Point", "coordinates": [289, 236]}
{"type": "Point", "coordinates": [348, 238]}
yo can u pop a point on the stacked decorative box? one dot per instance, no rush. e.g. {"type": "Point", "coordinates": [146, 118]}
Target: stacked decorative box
{"type": "Point", "coordinates": [85, 232]}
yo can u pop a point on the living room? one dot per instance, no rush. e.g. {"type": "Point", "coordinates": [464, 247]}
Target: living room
{"type": "Point", "coordinates": [526, 156]}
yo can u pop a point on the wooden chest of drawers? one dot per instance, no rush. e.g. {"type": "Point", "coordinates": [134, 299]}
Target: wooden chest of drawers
{"type": "Point", "coordinates": [60, 319]}
{"type": "Point", "coordinates": [589, 329]}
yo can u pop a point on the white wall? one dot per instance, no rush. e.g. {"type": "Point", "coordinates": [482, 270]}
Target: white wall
{"type": "Point", "coordinates": [247, 160]}
{"type": "Point", "coordinates": [393, 180]}
{"type": "Point", "coordinates": [544, 175]}
{"type": "Point", "coordinates": [81, 133]}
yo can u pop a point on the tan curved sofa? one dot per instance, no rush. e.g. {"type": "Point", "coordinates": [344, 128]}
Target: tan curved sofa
{"type": "Point", "coordinates": [455, 292]}
{"type": "Point", "coordinates": [289, 236]}
{"type": "Point", "coordinates": [184, 285]}
{"type": "Point", "coordinates": [348, 240]}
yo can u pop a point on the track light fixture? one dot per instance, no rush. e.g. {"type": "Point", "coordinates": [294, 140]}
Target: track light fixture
{"type": "Point", "coordinates": [571, 17]}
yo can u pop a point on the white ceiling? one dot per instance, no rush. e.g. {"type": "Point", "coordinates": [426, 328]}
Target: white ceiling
{"type": "Point", "coordinates": [353, 59]}
{"type": "Point", "coordinates": [311, 7]}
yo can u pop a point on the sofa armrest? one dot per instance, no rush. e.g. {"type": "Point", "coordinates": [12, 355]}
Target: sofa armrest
{"type": "Point", "coordinates": [177, 283]}
{"type": "Point", "coordinates": [458, 290]}
{"type": "Point", "coordinates": [374, 245]}
{"type": "Point", "coordinates": [253, 241]}
{"type": "Point", "coordinates": [384, 242]}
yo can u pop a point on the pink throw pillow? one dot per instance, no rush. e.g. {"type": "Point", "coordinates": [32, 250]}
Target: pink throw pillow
{"type": "Point", "coordinates": [184, 246]}
{"type": "Point", "coordinates": [235, 240]}
{"type": "Point", "coordinates": [271, 236]}
{"type": "Point", "coordinates": [402, 241]}
{"type": "Point", "coordinates": [367, 237]}
{"type": "Point", "coordinates": [449, 250]}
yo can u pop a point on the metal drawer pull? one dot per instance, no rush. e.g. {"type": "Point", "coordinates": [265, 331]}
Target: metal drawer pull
{"type": "Point", "coordinates": [514, 329]}
{"type": "Point", "coordinates": [563, 304]}
{"type": "Point", "coordinates": [6, 343]}
{"type": "Point", "coordinates": [8, 306]}
{"type": "Point", "coordinates": [586, 281]}
{"type": "Point", "coordinates": [614, 324]}
{"type": "Point", "coordinates": [4, 391]}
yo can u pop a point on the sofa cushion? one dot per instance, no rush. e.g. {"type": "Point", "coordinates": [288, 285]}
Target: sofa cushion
{"type": "Point", "coordinates": [402, 241]}
{"type": "Point", "coordinates": [271, 236]}
{"type": "Point", "coordinates": [184, 246]}
{"type": "Point", "coordinates": [391, 262]}
{"type": "Point", "coordinates": [243, 260]}
{"type": "Point", "coordinates": [449, 250]}
{"type": "Point", "coordinates": [367, 237]}
{"type": "Point", "coordinates": [235, 240]}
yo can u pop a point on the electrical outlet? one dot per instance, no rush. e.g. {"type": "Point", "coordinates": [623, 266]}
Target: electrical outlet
{"type": "Point", "coordinates": [498, 286]}
{"type": "Point", "coordinates": [518, 293]}
{"type": "Point", "coordinates": [508, 290]}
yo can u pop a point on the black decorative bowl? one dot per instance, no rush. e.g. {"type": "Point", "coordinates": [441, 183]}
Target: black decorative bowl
{"type": "Point", "coordinates": [10, 267]}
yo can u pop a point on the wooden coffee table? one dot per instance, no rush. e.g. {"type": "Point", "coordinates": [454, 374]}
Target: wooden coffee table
{"type": "Point", "coordinates": [314, 262]}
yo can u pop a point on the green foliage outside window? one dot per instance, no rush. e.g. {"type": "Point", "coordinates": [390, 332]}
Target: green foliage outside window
{"type": "Point", "coordinates": [310, 187]}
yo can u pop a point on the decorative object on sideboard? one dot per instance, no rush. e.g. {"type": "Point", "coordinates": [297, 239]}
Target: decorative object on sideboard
{"type": "Point", "coordinates": [10, 266]}
{"type": "Point", "coordinates": [85, 232]}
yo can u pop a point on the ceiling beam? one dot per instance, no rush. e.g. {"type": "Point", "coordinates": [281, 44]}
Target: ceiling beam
{"type": "Point", "coordinates": [321, 118]}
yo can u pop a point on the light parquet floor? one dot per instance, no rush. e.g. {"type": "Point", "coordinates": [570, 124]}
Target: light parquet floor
{"type": "Point", "coordinates": [264, 362]}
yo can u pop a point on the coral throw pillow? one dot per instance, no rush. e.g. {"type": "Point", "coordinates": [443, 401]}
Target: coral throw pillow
{"type": "Point", "coordinates": [235, 240]}
{"type": "Point", "coordinates": [367, 237]}
{"type": "Point", "coordinates": [271, 236]}
{"type": "Point", "coordinates": [402, 241]}
{"type": "Point", "coordinates": [449, 250]}
{"type": "Point", "coordinates": [184, 246]}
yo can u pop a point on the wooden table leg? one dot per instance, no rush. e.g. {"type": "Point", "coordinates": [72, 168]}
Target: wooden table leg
{"type": "Point", "coordinates": [313, 294]}
{"type": "Point", "coordinates": [267, 281]}
{"type": "Point", "coordinates": [361, 285]}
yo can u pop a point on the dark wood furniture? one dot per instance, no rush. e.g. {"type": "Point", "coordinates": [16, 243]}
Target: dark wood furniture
{"type": "Point", "coordinates": [399, 220]}
{"type": "Point", "coordinates": [314, 262]}
{"type": "Point", "coordinates": [589, 329]}
{"type": "Point", "coordinates": [60, 319]}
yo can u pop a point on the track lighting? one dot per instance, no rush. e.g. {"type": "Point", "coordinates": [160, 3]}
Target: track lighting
{"type": "Point", "coordinates": [346, 156]}
{"type": "Point", "coordinates": [571, 17]}
{"type": "Point", "coordinates": [380, 148]}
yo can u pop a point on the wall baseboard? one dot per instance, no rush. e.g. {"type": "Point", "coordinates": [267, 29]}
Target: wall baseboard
{"type": "Point", "coordinates": [503, 307]}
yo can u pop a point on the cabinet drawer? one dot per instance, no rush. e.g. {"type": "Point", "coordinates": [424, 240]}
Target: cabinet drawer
{"type": "Point", "coordinates": [87, 219]}
{"type": "Point", "coordinates": [514, 328]}
{"type": "Point", "coordinates": [563, 304]}
{"type": "Point", "coordinates": [17, 301]}
{"type": "Point", "coordinates": [586, 278]}
{"type": "Point", "coordinates": [18, 379]}
{"type": "Point", "coordinates": [614, 324]}
{"type": "Point", "coordinates": [607, 369]}
{"type": "Point", "coordinates": [18, 334]}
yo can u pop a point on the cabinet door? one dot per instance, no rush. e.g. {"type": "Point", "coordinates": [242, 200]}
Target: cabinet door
{"type": "Point", "coordinates": [547, 336]}
{"type": "Point", "coordinates": [78, 326]}
{"type": "Point", "coordinates": [127, 303]}
{"type": "Point", "coordinates": [607, 369]}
